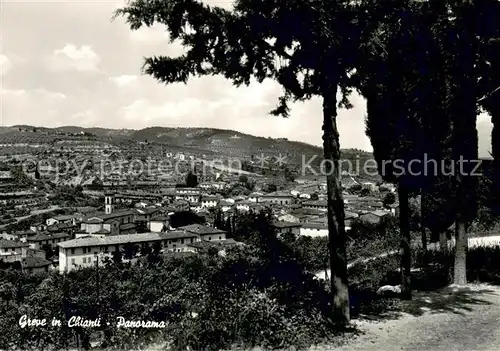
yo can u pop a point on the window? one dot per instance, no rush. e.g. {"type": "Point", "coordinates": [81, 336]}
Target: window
{"type": "Point", "coordinates": [5, 250]}
{"type": "Point", "coordinates": [84, 260]}
{"type": "Point", "coordinates": [209, 238]}
{"type": "Point", "coordinates": [220, 237]}
{"type": "Point", "coordinates": [73, 261]}
{"type": "Point", "coordinates": [182, 241]}
{"type": "Point", "coordinates": [191, 240]}
{"type": "Point", "coordinates": [72, 251]}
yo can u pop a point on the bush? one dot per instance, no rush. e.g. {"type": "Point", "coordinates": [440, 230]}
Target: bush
{"type": "Point", "coordinates": [254, 296]}
{"type": "Point", "coordinates": [483, 265]}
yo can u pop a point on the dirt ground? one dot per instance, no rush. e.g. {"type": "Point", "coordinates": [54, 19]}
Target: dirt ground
{"type": "Point", "coordinates": [455, 318]}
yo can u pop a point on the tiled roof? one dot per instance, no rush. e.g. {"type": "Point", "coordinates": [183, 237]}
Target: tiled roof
{"type": "Point", "coordinates": [35, 262]}
{"type": "Point", "coordinates": [123, 239]}
{"type": "Point", "coordinates": [316, 203]}
{"type": "Point", "coordinates": [160, 218]}
{"type": "Point", "coordinates": [201, 229]}
{"type": "Point", "coordinates": [12, 244]}
{"type": "Point", "coordinates": [279, 194]}
{"type": "Point", "coordinates": [314, 225]}
{"type": "Point", "coordinates": [127, 226]}
{"type": "Point", "coordinates": [284, 224]}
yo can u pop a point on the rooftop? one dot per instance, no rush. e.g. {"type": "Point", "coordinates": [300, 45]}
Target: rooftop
{"type": "Point", "coordinates": [201, 229]}
{"type": "Point", "coordinates": [12, 244]}
{"type": "Point", "coordinates": [285, 224]}
{"type": "Point", "coordinates": [122, 239]}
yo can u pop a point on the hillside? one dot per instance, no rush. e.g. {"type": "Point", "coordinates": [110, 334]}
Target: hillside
{"type": "Point", "coordinates": [224, 143]}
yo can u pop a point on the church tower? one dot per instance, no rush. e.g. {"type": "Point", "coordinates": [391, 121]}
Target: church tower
{"type": "Point", "coordinates": [109, 202]}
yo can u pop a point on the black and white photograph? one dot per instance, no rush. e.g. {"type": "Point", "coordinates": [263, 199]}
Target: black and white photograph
{"type": "Point", "coordinates": [250, 175]}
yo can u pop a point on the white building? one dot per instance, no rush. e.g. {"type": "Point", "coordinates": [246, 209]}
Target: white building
{"type": "Point", "coordinates": [314, 229]}
{"type": "Point", "coordinates": [209, 201]}
{"type": "Point", "coordinates": [255, 197]}
{"type": "Point", "coordinates": [156, 224]}
{"type": "Point", "coordinates": [243, 205]}
{"type": "Point", "coordinates": [87, 251]}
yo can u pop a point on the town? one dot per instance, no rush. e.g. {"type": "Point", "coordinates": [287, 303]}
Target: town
{"type": "Point", "coordinates": [78, 215]}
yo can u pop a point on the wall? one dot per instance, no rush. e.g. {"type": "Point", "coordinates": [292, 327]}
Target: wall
{"type": "Point", "coordinates": [313, 232]}
{"type": "Point", "coordinates": [69, 260]}
{"type": "Point", "coordinates": [156, 226]}
{"type": "Point", "coordinates": [92, 228]}
{"type": "Point", "coordinates": [212, 237]}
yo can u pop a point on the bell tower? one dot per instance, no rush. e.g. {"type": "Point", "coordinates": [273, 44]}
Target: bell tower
{"type": "Point", "coordinates": [109, 202]}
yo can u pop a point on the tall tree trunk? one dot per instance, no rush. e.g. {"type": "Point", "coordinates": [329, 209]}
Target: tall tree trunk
{"type": "Point", "coordinates": [494, 111]}
{"type": "Point", "coordinates": [404, 227]}
{"type": "Point", "coordinates": [336, 228]}
{"type": "Point", "coordinates": [423, 237]}
{"type": "Point", "coordinates": [460, 269]}
{"type": "Point", "coordinates": [443, 242]}
{"type": "Point", "coordinates": [423, 230]}
{"type": "Point", "coordinates": [465, 142]}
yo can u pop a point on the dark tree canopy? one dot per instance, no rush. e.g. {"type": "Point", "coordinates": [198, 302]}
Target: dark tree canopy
{"type": "Point", "coordinates": [296, 43]}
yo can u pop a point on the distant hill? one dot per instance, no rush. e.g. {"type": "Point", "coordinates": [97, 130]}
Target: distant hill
{"type": "Point", "coordinates": [226, 143]}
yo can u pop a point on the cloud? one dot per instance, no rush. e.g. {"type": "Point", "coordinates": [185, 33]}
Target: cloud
{"type": "Point", "coordinates": [39, 106]}
{"type": "Point", "coordinates": [71, 57]}
{"type": "Point", "coordinates": [5, 65]}
{"type": "Point", "coordinates": [124, 80]}
{"type": "Point", "coordinates": [87, 118]}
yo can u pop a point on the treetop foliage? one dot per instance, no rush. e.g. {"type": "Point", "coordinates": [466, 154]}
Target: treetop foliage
{"type": "Point", "coordinates": [300, 44]}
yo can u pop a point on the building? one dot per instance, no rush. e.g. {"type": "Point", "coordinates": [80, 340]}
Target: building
{"type": "Point", "coordinates": [289, 218]}
{"type": "Point", "coordinates": [243, 205]}
{"type": "Point", "coordinates": [37, 241]}
{"type": "Point", "coordinates": [188, 194]}
{"type": "Point", "coordinates": [314, 229]}
{"type": "Point", "coordinates": [278, 197]}
{"type": "Point", "coordinates": [88, 251]}
{"type": "Point", "coordinates": [157, 224]}
{"type": "Point", "coordinates": [109, 203]}
{"type": "Point", "coordinates": [282, 227]}
{"type": "Point", "coordinates": [38, 227]}
{"type": "Point", "coordinates": [35, 262]}
{"type": "Point", "coordinates": [61, 219]}
{"type": "Point", "coordinates": [205, 232]}
{"type": "Point", "coordinates": [111, 222]}
{"type": "Point", "coordinates": [315, 205]}
{"type": "Point", "coordinates": [209, 201]}
{"type": "Point", "coordinates": [394, 208]}
{"type": "Point", "coordinates": [373, 217]}
{"type": "Point", "coordinates": [220, 246]}
{"type": "Point", "coordinates": [11, 250]}
{"type": "Point", "coordinates": [255, 197]}
{"type": "Point", "coordinates": [225, 205]}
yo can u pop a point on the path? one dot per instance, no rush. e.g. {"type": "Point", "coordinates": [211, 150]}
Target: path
{"type": "Point", "coordinates": [465, 318]}
{"type": "Point", "coordinates": [33, 213]}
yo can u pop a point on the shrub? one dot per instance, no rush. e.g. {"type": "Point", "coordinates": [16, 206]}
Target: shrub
{"type": "Point", "coordinates": [483, 265]}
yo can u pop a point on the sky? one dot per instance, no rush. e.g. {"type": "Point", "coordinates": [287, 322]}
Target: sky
{"type": "Point", "coordinates": [66, 63]}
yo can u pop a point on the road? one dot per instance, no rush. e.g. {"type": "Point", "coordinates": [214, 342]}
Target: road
{"type": "Point", "coordinates": [33, 213]}
{"type": "Point", "coordinates": [465, 318]}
